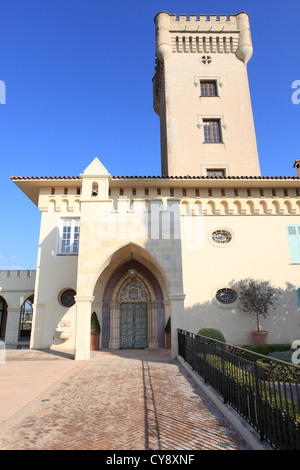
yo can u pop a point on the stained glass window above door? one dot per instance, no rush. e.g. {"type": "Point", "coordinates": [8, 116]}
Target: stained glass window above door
{"type": "Point", "coordinates": [133, 292]}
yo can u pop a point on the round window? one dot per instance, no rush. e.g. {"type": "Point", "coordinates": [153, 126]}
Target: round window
{"type": "Point", "coordinates": [221, 236]}
{"type": "Point", "coordinates": [67, 297]}
{"type": "Point", "coordinates": [226, 296]}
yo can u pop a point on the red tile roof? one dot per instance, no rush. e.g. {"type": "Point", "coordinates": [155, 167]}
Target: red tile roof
{"type": "Point", "coordinates": [18, 178]}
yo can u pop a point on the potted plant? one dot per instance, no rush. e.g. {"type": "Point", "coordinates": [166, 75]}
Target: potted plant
{"type": "Point", "coordinates": [258, 297]}
{"type": "Point", "coordinates": [95, 332]}
{"type": "Point", "coordinates": [168, 333]}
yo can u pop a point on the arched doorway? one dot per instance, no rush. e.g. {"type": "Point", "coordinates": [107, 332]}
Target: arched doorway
{"type": "Point", "coordinates": [133, 309]}
{"type": "Point", "coordinates": [3, 317]}
{"type": "Point", "coordinates": [26, 319]}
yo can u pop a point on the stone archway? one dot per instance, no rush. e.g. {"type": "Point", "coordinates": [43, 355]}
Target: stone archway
{"type": "Point", "coordinates": [96, 295]}
{"type": "Point", "coordinates": [134, 302]}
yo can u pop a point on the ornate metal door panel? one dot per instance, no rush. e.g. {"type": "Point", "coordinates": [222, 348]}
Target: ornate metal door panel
{"type": "Point", "coordinates": [141, 323]}
{"type": "Point", "coordinates": [133, 325]}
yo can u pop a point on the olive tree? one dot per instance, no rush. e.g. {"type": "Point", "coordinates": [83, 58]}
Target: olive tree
{"type": "Point", "coordinates": [257, 296]}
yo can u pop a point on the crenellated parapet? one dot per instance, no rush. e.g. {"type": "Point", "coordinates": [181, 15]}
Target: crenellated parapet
{"type": "Point", "coordinates": [203, 34]}
{"type": "Point", "coordinates": [208, 203]}
{"type": "Point", "coordinates": [202, 22]}
{"type": "Point", "coordinates": [17, 273]}
{"type": "Point", "coordinates": [237, 207]}
{"type": "Point", "coordinates": [16, 286]}
{"type": "Point", "coordinates": [59, 200]}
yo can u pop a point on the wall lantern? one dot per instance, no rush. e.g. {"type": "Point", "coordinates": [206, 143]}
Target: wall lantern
{"type": "Point", "coordinates": [132, 269]}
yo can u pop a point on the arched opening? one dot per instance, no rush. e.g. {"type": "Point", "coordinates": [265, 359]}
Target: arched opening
{"type": "Point", "coordinates": [153, 290]}
{"type": "Point", "coordinates": [3, 317]}
{"type": "Point", "coordinates": [108, 294]}
{"type": "Point", "coordinates": [133, 314]}
{"type": "Point", "coordinates": [26, 319]}
{"type": "Point", "coordinates": [95, 189]}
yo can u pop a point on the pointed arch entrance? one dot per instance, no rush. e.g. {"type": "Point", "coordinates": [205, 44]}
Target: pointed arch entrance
{"type": "Point", "coordinates": [133, 313]}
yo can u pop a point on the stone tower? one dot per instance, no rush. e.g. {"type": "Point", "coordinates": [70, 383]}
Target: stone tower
{"type": "Point", "coordinates": [201, 94]}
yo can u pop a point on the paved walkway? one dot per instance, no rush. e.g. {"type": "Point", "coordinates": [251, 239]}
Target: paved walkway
{"type": "Point", "coordinates": [118, 400]}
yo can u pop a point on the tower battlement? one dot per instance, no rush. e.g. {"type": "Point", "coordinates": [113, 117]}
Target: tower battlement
{"type": "Point", "coordinates": [204, 22]}
{"type": "Point", "coordinates": [202, 33]}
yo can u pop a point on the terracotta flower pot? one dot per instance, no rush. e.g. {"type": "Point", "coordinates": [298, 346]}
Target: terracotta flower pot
{"type": "Point", "coordinates": [94, 342]}
{"type": "Point", "coordinates": [259, 337]}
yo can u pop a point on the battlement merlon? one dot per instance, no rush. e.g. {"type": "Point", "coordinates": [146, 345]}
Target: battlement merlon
{"type": "Point", "coordinates": [16, 273]}
{"type": "Point", "coordinates": [168, 25]}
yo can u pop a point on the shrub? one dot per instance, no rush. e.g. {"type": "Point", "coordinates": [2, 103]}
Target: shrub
{"type": "Point", "coordinates": [212, 333]}
{"type": "Point", "coordinates": [168, 326]}
{"type": "Point", "coordinates": [265, 349]}
{"type": "Point", "coordinates": [95, 325]}
{"type": "Point", "coordinates": [285, 356]}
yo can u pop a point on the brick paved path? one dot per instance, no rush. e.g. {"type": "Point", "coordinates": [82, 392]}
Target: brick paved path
{"type": "Point", "coordinates": [121, 401]}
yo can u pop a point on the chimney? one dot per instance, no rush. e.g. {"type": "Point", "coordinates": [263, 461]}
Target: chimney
{"type": "Point", "coordinates": [297, 165]}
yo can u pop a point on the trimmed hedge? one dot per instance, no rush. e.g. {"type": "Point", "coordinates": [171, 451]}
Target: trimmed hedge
{"type": "Point", "coordinates": [266, 349]}
{"type": "Point", "coordinates": [212, 333]}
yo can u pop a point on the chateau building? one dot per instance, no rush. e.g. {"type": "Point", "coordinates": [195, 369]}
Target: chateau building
{"type": "Point", "coordinates": [139, 251]}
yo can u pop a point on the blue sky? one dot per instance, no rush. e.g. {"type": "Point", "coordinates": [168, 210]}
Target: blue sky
{"type": "Point", "coordinates": [78, 77]}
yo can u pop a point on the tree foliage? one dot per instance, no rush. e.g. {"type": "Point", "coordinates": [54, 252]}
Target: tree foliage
{"type": "Point", "coordinates": [257, 296]}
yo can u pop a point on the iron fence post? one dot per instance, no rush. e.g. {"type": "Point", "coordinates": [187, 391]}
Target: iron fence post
{"type": "Point", "coordinates": [223, 375]}
{"type": "Point", "coordinates": [258, 400]}
{"type": "Point", "coordinates": [204, 360]}
{"type": "Point", "coordinates": [192, 351]}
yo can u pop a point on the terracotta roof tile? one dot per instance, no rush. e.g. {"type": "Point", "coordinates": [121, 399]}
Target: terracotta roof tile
{"type": "Point", "coordinates": [45, 177]}
{"type": "Point", "coordinates": [161, 177]}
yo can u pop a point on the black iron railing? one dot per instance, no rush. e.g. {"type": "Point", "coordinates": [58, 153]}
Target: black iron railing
{"type": "Point", "coordinates": [263, 390]}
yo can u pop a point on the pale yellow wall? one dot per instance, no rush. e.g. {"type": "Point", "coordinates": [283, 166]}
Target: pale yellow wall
{"type": "Point", "coordinates": [55, 273]}
{"type": "Point", "coordinates": [259, 250]}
